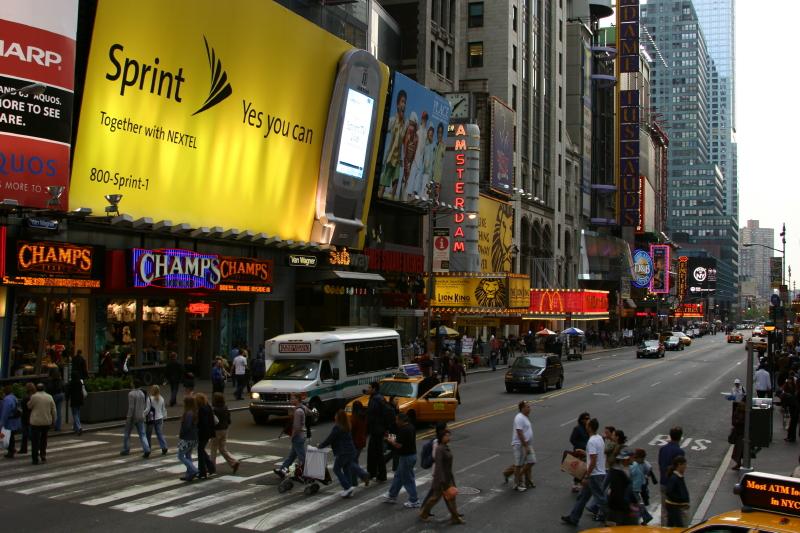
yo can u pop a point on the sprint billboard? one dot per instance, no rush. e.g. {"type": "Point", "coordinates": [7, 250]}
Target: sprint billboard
{"type": "Point", "coordinates": [217, 120]}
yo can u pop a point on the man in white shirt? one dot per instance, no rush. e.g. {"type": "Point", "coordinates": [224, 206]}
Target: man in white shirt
{"type": "Point", "coordinates": [594, 480]}
{"type": "Point", "coordinates": [240, 374]}
{"type": "Point", "coordinates": [737, 392]}
{"type": "Point", "coordinates": [522, 444]}
{"type": "Point", "coordinates": [763, 383]}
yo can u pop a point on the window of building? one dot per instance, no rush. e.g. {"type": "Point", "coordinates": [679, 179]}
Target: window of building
{"type": "Point", "coordinates": [514, 57]}
{"type": "Point", "coordinates": [440, 61]}
{"type": "Point", "coordinates": [514, 17]}
{"type": "Point", "coordinates": [433, 56]}
{"type": "Point", "coordinates": [514, 97]}
{"type": "Point", "coordinates": [448, 65]}
{"type": "Point", "coordinates": [475, 54]}
{"type": "Point", "coordinates": [475, 12]}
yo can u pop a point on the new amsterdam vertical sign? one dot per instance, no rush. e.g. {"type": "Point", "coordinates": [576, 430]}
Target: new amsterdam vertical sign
{"type": "Point", "coordinates": [628, 112]}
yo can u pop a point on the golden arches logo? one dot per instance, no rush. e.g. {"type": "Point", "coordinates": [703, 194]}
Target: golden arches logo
{"type": "Point", "coordinates": [551, 297]}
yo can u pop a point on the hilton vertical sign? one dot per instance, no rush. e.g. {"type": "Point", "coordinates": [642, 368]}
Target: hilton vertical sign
{"type": "Point", "coordinates": [628, 112]}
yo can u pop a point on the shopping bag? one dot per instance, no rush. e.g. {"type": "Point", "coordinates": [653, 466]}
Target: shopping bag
{"type": "Point", "coordinates": [450, 493]}
{"type": "Point", "coordinates": [5, 438]}
{"type": "Point", "coordinates": [316, 462]}
{"type": "Point", "coordinates": [573, 466]}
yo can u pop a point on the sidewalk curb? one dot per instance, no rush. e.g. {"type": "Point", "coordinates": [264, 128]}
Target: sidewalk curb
{"type": "Point", "coordinates": [121, 424]}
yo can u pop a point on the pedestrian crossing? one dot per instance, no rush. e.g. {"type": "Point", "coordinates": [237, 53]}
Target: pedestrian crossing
{"type": "Point", "coordinates": [91, 473]}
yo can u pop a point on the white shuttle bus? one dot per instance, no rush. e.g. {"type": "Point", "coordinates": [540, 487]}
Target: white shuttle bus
{"type": "Point", "coordinates": [330, 368]}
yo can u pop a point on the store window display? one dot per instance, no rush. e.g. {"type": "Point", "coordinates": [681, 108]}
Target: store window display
{"type": "Point", "coordinates": [115, 330]}
{"type": "Point", "coordinates": [46, 331]}
{"type": "Point", "coordinates": [159, 330]}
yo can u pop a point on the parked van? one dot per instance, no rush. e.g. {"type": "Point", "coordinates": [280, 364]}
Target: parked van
{"type": "Point", "coordinates": [330, 368]}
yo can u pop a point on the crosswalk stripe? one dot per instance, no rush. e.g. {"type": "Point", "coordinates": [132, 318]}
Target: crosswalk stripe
{"type": "Point", "coordinates": [336, 518]}
{"type": "Point", "coordinates": [82, 445]}
{"type": "Point", "coordinates": [88, 477]}
{"type": "Point", "coordinates": [190, 489]}
{"type": "Point", "coordinates": [136, 490]}
{"type": "Point", "coordinates": [56, 472]}
{"type": "Point", "coordinates": [207, 501]}
{"type": "Point", "coordinates": [60, 463]}
{"type": "Point", "coordinates": [245, 509]}
{"type": "Point", "coordinates": [51, 445]}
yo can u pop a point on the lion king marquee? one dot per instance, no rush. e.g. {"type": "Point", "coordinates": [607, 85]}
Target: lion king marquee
{"type": "Point", "coordinates": [481, 293]}
{"type": "Point", "coordinates": [559, 303]}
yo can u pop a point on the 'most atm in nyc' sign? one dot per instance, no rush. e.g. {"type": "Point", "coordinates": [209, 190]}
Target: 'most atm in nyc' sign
{"type": "Point", "coordinates": [199, 113]}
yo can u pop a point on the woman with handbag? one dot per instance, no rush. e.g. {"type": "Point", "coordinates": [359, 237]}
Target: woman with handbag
{"type": "Point", "coordinates": [444, 483]}
{"type": "Point", "coordinates": [77, 392]}
{"type": "Point", "coordinates": [155, 418]}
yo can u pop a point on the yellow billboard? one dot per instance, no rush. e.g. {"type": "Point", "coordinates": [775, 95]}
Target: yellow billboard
{"type": "Point", "coordinates": [457, 291]}
{"type": "Point", "coordinates": [519, 291]}
{"type": "Point", "coordinates": [200, 113]}
{"type": "Point", "coordinates": [495, 235]}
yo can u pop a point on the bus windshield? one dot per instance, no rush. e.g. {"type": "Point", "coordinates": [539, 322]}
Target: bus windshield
{"type": "Point", "coordinates": [303, 369]}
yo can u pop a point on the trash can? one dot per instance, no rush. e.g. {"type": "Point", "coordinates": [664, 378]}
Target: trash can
{"type": "Point", "coordinates": [761, 422]}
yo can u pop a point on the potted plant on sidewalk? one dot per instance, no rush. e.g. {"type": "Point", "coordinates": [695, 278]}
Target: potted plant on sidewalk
{"type": "Point", "coordinates": [107, 399]}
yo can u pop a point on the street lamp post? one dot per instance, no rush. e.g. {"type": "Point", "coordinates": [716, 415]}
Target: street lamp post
{"type": "Point", "coordinates": [782, 250]}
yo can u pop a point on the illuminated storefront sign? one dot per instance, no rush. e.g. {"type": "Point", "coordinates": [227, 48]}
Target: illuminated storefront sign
{"type": "Point", "coordinates": [640, 220]}
{"type": "Point", "coordinates": [241, 274]}
{"type": "Point", "coordinates": [563, 301]}
{"type": "Point", "coordinates": [199, 308]}
{"type": "Point", "coordinates": [55, 264]}
{"type": "Point", "coordinates": [683, 276]}
{"type": "Point", "coordinates": [660, 282]}
{"type": "Point", "coordinates": [391, 261]}
{"type": "Point", "coordinates": [642, 269]}
{"type": "Point", "coordinates": [689, 311]}
{"type": "Point", "coordinates": [175, 269]}
{"type": "Point", "coordinates": [339, 257]}
{"type": "Point", "coordinates": [460, 155]}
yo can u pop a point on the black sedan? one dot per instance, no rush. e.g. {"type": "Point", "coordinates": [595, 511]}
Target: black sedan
{"type": "Point", "coordinates": [650, 349]}
{"type": "Point", "coordinates": [673, 343]}
{"type": "Point", "coordinates": [535, 371]}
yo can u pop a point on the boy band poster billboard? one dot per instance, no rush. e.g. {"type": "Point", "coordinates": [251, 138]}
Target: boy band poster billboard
{"type": "Point", "coordinates": [414, 144]}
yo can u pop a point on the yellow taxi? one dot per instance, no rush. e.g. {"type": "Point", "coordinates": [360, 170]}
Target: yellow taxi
{"type": "Point", "coordinates": [439, 404]}
{"type": "Point", "coordinates": [770, 504]}
{"type": "Point", "coordinates": [736, 337]}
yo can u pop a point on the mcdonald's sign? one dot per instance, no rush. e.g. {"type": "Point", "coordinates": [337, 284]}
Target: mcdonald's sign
{"type": "Point", "coordinates": [563, 301]}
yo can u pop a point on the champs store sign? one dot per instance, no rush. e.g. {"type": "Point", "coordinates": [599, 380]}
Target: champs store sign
{"type": "Point", "coordinates": [185, 269]}
{"type": "Point", "coordinates": [55, 264]}
{"type": "Point", "coordinates": [220, 118]}
{"type": "Point", "coordinates": [500, 292]}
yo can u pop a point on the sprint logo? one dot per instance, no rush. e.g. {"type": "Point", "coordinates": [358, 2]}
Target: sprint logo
{"type": "Point", "coordinates": [156, 79]}
{"type": "Point", "coordinates": [220, 88]}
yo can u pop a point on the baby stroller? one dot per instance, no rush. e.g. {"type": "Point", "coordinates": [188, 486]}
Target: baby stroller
{"type": "Point", "coordinates": [314, 472]}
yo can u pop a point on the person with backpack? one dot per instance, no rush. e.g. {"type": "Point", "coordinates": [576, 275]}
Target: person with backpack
{"type": "Point", "coordinates": [344, 452]}
{"type": "Point", "coordinates": [444, 483]}
{"type": "Point", "coordinates": [10, 418]}
{"type": "Point", "coordinates": [376, 427]}
{"type": "Point", "coordinates": [205, 432]}
{"type": "Point", "coordinates": [138, 407]}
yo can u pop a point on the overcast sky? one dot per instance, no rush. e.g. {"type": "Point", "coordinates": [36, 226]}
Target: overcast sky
{"type": "Point", "coordinates": [766, 109]}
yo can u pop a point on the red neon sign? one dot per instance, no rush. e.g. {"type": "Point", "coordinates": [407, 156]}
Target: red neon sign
{"type": "Point", "coordinates": [460, 149]}
{"type": "Point", "coordinates": [199, 308]}
{"type": "Point", "coordinates": [560, 301]}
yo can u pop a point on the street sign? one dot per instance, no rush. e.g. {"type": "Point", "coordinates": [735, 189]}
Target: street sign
{"type": "Point", "coordinates": [441, 249]}
{"type": "Point", "coordinates": [775, 300]}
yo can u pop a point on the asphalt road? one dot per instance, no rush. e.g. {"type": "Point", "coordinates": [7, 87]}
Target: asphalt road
{"type": "Point", "coordinates": [86, 486]}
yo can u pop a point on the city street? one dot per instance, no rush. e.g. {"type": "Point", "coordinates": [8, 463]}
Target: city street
{"type": "Point", "coordinates": [86, 486]}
